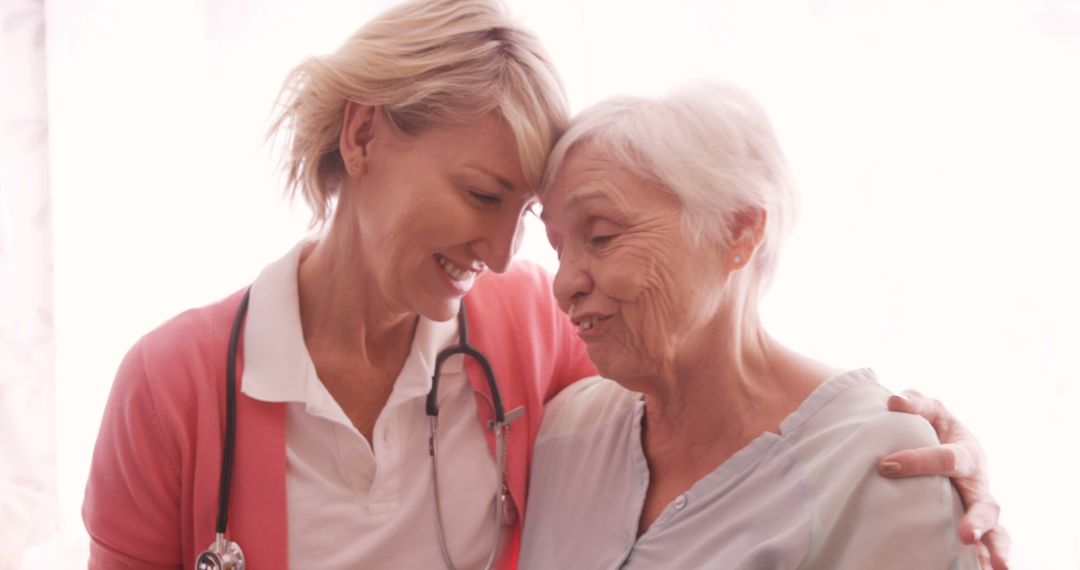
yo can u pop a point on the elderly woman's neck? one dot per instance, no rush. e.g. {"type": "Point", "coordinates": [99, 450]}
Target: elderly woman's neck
{"type": "Point", "coordinates": [726, 388]}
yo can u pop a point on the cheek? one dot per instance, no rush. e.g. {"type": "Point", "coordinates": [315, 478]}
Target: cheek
{"type": "Point", "coordinates": [663, 312]}
{"type": "Point", "coordinates": [417, 227]}
{"type": "Point", "coordinates": [634, 267]}
{"type": "Point", "coordinates": [624, 276]}
{"type": "Point", "coordinates": [394, 239]}
{"type": "Point", "coordinates": [652, 303]}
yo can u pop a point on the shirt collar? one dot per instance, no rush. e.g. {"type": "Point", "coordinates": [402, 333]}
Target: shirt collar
{"type": "Point", "coordinates": [278, 367]}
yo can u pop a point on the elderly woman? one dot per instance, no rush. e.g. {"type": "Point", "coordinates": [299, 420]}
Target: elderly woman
{"type": "Point", "coordinates": [713, 445]}
{"type": "Point", "coordinates": [325, 417]}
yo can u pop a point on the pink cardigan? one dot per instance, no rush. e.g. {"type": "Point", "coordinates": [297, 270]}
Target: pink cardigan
{"type": "Point", "coordinates": [151, 500]}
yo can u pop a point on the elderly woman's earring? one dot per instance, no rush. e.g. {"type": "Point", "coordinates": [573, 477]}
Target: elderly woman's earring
{"type": "Point", "coordinates": [738, 260]}
{"type": "Point", "coordinates": [353, 167]}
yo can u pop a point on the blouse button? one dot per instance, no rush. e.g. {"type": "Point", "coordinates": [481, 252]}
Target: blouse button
{"type": "Point", "coordinates": [680, 502]}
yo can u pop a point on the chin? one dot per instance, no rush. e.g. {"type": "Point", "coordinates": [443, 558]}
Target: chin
{"type": "Point", "coordinates": [443, 311]}
{"type": "Point", "coordinates": [609, 365]}
{"type": "Point", "coordinates": [629, 372]}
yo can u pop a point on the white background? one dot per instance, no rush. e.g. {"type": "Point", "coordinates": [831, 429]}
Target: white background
{"type": "Point", "coordinates": [935, 143]}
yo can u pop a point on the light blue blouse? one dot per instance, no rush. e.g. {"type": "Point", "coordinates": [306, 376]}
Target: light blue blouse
{"type": "Point", "coordinates": [809, 497]}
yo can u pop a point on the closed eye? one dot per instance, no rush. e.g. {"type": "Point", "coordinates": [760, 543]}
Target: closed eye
{"type": "Point", "coordinates": [601, 240]}
{"type": "Point", "coordinates": [485, 197]}
{"type": "Point", "coordinates": [600, 231]}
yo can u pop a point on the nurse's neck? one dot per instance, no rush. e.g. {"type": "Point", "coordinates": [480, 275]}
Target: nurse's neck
{"type": "Point", "coordinates": [357, 346]}
{"type": "Point", "coordinates": [343, 311]}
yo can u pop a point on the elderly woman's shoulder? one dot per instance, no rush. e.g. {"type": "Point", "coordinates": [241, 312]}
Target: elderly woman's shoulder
{"type": "Point", "coordinates": [908, 522]}
{"type": "Point", "coordinates": [849, 413]}
{"type": "Point", "coordinates": [587, 404]}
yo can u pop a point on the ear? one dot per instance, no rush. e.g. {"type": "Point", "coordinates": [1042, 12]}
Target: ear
{"type": "Point", "coordinates": [357, 130]}
{"type": "Point", "coordinates": [747, 231]}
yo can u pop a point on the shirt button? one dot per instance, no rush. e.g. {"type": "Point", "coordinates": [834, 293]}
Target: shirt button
{"type": "Point", "coordinates": [680, 502]}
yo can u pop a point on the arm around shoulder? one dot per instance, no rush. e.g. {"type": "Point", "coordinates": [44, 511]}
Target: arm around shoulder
{"type": "Point", "coordinates": [869, 521]}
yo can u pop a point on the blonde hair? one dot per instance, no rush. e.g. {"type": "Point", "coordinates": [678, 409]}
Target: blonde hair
{"type": "Point", "coordinates": [710, 144]}
{"type": "Point", "coordinates": [424, 63]}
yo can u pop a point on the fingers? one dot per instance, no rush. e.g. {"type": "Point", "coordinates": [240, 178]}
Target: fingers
{"type": "Point", "coordinates": [950, 460]}
{"type": "Point", "coordinates": [913, 402]}
{"type": "Point", "coordinates": [993, 545]}
{"type": "Point", "coordinates": [962, 459]}
{"type": "Point", "coordinates": [980, 516]}
{"type": "Point", "coordinates": [907, 401]}
{"type": "Point", "coordinates": [984, 557]}
{"type": "Point", "coordinates": [998, 542]}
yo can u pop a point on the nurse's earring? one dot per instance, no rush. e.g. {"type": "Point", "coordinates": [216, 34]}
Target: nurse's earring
{"type": "Point", "coordinates": [357, 132]}
{"type": "Point", "coordinates": [738, 260]}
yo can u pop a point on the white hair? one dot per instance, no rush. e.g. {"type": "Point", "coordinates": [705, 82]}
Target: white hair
{"type": "Point", "coordinates": [711, 145]}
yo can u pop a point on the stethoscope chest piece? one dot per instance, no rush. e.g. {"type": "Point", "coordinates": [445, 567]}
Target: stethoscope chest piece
{"type": "Point", "coordinates": [222, 555]}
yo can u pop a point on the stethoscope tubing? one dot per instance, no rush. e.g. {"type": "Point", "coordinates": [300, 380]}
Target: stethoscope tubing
{"type": "Point", "coordinates": [463, 347]}
{"type": "Point", "coordinates": [499, 424]}
{"type": "Point", "coordinates": [230, 416]}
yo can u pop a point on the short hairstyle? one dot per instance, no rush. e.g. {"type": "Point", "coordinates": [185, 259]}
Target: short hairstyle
{"type": "Point", "coordinates": [424, 63]}
{"type": "Point", "coordinates": [711, 145]}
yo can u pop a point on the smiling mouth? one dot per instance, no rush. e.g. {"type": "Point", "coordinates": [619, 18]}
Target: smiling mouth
{"type": "Point", "coordinates": [454, 270]}
{"type": "Point", "coordinates": [588, 323]}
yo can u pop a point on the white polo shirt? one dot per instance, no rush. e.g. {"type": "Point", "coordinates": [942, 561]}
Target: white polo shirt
{"type": "Point", "coordinates": [359, 504]}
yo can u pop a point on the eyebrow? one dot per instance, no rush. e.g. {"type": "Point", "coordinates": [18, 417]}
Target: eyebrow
{"type": "Point", "coordinates": [576, 201]}
{"type": "Point", "coordinates": [506, 184]}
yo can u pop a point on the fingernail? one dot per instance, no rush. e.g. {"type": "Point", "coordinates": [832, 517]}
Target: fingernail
{"type": "Point", "coordinates": [903, 396]}
{"type": "Point", "coordinates": [891, 468]}
{"type": "Point", "coordinates": [977, 533]}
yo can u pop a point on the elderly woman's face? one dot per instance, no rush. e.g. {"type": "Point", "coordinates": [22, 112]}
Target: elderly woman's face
{"type": "Point", "coordinates": [630, 279]}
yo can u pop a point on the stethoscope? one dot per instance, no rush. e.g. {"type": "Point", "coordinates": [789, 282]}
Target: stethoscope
{"type": "Point", "coordinates": [224, 554]}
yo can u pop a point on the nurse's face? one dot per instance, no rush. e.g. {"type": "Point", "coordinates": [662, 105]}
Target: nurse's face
{"type": "Point", "coordinates": [629, 277]}
{"type": "Point", "coordinates": [434, 210]}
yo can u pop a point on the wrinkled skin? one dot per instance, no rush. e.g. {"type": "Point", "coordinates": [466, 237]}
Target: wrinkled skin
{"type": "Point", "coordinates": [626, 259]}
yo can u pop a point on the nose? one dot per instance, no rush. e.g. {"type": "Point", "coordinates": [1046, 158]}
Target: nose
{"type": "Point", "coordinates": [500, 241]}
{"type": "Point", "coordinates": [572, 280]}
